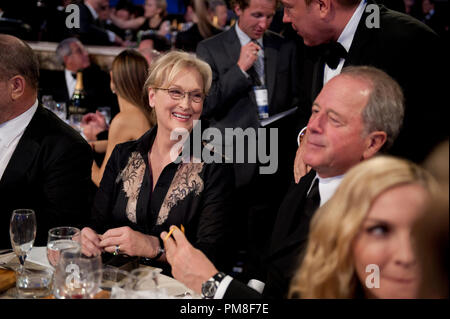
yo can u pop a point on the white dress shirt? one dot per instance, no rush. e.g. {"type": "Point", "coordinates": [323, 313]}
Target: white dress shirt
{"type": "Point", "coordinates": [70, 82]}
{"type": "Point", "coordinates": [346, 39]}
{"type": "Point", "coordinates": [11, 133]}
{"type": "Point", "coordinates": [327, 188]}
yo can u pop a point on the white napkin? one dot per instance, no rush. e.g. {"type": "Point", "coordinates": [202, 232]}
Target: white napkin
{"type": "Point", "coordinates": [38, 255]}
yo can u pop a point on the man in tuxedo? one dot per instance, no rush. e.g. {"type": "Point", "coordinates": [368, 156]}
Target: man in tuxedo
{"type": "Point", "coordinates": [45, 165]}
{"type": "Point", "coordinates": [357, 114]}
{"type": "Point", "coordinates": [74, 57]}
{"type": "Point", "coordinates": [249, 62]}
{"type": "Point", "coordinates": [91, 30]}
{"type": "Point", "coordinates": [339, 33]}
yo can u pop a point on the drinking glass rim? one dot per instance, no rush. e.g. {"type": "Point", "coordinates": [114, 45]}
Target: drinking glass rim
{"type": "Point", "coordinates": [51, 231]}
{"type": "Point", "coordinates": [23, 211]}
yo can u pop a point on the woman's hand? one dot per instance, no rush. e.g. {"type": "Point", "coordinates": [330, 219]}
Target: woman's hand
{"type": "Point", "coordinates": [130, 242]}
{"type": "Point", "coordinates": [90, 242]}
{"type": "Point", "coordinates": [300, 168]}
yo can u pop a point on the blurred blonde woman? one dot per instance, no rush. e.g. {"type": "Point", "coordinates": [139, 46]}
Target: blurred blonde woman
{"type": "Point", "coordinates": [367, 222]}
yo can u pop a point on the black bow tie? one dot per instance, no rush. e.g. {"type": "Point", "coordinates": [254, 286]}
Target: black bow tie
{"type": "Point", "coordinates": [74, 75]}
{"type": "Point", "coordinates": [332, 53]}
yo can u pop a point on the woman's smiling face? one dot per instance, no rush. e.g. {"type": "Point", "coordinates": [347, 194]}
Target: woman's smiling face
{"type": "Point", "coordinates": [172, 113]}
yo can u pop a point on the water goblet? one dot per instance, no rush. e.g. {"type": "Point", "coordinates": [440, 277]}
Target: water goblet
{"type": "Point", "coordinates": [22, 232]}
{"type": "Point", "coordinates": [59, 239]}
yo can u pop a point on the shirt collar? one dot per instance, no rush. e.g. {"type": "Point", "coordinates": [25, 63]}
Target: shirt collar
{"type": "Point", "coordinates": [244, 38]}
{"type": "Point", "coordinates": [93, 12]}
{"type": "Point", "coordinates": [16, 126]}
{"type": "Point", "coordinates": [68, 75]}
{"type": "Point", "coordinates": [347, 35]}
{"type": "Point", "coordinates": [328, 186]}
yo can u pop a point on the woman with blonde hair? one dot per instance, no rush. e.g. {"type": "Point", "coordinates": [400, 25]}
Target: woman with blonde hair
{"type": "Point", "coordinates": [146, 188]}
{"type": "Point", "coordinates": [360, 241]}
{"type": "Point", "coordinates": [128, 74]}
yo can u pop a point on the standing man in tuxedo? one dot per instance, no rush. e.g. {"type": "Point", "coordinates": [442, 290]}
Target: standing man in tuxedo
{"type": "Point", "coordinates": [357, 114]}
{"type": "Point", "coordinates": [74, 57]}
{"type": "Point", "coordinates": [45, 165]}
{"type": "Point", "coordinates": [340, 33]}
{"type": "Point", "coordinates": [91, 30]}
{"type": "Point", "coordinates": [254, 76]}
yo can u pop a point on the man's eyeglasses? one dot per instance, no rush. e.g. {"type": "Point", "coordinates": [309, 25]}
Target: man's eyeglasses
{"type": "Point", "coordinates": [177, 94]}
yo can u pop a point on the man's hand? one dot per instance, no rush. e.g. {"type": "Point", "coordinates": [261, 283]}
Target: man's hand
{"type": "Point", "coordinates": [249, 54]}
{"type": "Point", "coordinates": [300, 168]}
{"type": "Point", "coordinates": [189, 265]}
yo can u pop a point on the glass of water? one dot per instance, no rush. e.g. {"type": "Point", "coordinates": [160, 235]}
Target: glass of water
{"type": "Point", "coordinates": [59, 239]}
{"type": "Point", "coordinates": [77, 276]}
{"type": "Point", "coordinates": [22, 232]}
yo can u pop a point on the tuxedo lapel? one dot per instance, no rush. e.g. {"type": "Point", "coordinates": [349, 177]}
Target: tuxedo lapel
{"type": "Point", "coordinates": [359, 52]}
{"type": "Point", "coordinates": [232, 45]}
{"type": "Point", "coordinates": [317, 78]}
{"type": "Point", "coordinates": [292, 204]}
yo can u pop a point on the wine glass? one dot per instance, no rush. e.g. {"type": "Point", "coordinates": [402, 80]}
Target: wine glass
{"type": "Point", "coordinates": [76, 276]}
{"type": "Point", "coordinates": [61, 238]}
{"type": "Point", "coordinates": [22, 232]}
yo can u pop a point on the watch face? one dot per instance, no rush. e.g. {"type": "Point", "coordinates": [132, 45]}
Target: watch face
{"type": "Point", "coordinates": [209, 289]}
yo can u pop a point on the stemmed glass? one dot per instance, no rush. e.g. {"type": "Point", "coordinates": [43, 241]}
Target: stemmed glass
{"type": "Point", "coordinates": [61, 238]}
{"type": "Point", "coordinates": [22, 232]}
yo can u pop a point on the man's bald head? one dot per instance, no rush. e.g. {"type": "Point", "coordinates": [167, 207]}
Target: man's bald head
{"type": "Point", "coordinates": [17, 58]}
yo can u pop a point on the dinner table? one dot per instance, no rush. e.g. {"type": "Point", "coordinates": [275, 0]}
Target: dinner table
{"type": "Point", "coordinates": [168, 287]}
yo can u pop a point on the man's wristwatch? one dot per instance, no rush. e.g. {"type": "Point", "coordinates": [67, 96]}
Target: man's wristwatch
{"type": "Point", "coordinates": [210, 286]}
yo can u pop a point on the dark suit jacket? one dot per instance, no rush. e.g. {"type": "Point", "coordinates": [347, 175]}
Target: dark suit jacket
{"type": "Point", "coordinates": [288, 242]}
{"type": "Point", "coordinates": [189, 39]}
{"type": "Point", "coordinates": [412, 54]}
{"type": "Point", "coordinates": [49, 172]}
{"type": "Point", "coordinates": [231, 102]}
{"type": "Point", "coordinates": [96, 85]}
{"type": "Point", "coordinates": [90, 31]}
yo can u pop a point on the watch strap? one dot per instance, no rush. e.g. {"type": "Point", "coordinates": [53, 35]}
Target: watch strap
{"type": "Point", "coordinates": [214, 280]}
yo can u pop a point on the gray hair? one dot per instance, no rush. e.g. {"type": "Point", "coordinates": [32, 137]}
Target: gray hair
{"type": "Point", "coordinates": [63, 49]}
{"type": "Point", "coordinates": [385, 108]}
{"type": "Point", "coordinates": [215, 3]}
